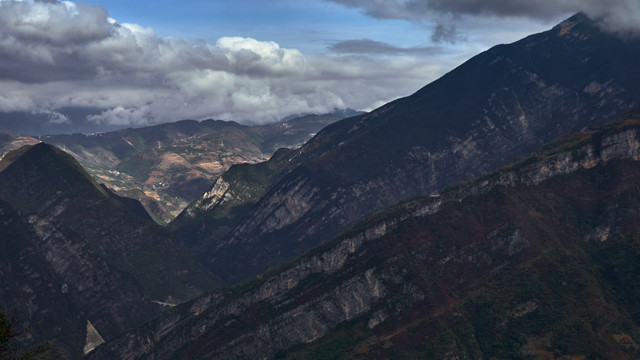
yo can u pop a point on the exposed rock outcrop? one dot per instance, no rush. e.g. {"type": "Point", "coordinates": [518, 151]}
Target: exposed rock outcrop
{"type": "Point", "coordinates": [94, 338]}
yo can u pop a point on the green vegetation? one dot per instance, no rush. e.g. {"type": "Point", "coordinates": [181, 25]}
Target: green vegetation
{"type": "Point", "coordinates": [338, 345]}
{"type": "Point", "coordinates": [12, 346]}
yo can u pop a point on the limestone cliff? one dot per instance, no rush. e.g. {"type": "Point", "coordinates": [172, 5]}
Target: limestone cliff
{"type": "Point", "coordinates": [422, 261]}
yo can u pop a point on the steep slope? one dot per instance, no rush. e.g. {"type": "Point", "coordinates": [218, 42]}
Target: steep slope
{"type": "Point", "coordinates": [32, 290]}
{"type": "Point", "coordinates": [541, 258]}
{"type": "Point", "coordinates": [72, 253]}
{"type": "Point", "coordinates": [169, 165]}
{"type": "Point", "coordinates": [229, 200]}
{"type": "Point", "coordinates": [500, 105]}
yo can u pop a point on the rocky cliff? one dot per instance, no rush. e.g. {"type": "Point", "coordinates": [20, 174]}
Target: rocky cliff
{"type": "Point", "coordinates": [499, 106]}
{"type": "Point", "coordinates": [528, 254]}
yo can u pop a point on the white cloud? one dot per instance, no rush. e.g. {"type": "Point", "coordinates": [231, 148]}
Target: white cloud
{"type": "Point", "coordinates": [54, 117]}
{"type": "Point", "coordinates": [13, 98]}
{"type": "Point", "coordinates": [53, 22]}
{"type": "Point", "coordinates": [55, 55]}
{"type": "Point", "coordinates": [124, 116]}
{"type": "Point", "coordinates": [255, 57]}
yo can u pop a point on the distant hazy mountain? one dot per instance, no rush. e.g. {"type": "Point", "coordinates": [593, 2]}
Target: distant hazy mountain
{"type": "Point", "coordinates": [538, 260]}
{"type": "Point", "coordinates": [497, 107]}
{"type": "Point", "coordinates": [167, 166]}
{"type": "Point", "coordinates": [35, 124]}
{"type": "Point", "coordinates": [72, 252]}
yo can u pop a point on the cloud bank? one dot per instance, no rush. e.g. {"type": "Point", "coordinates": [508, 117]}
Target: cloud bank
{"type": "Point", "coordinates": [617, 15]}
{"type": "Point", "coordinates": [540, 9]}
{"type": "Point", "coordinates": [56, 55]}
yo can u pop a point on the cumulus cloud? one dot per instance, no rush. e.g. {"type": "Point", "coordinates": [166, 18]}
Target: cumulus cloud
{"type": "Point", "coordinates": [56, 55]}
{"type": "Point", "coordinates": [119, 115]}
{"type": "Point", "coordinates": [55, 117]}
{"type": "Point", "coordinates": [58, 23]}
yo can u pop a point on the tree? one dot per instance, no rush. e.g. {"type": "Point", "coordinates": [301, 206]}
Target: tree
{"type": "Point", "coordinates": [11, 348]}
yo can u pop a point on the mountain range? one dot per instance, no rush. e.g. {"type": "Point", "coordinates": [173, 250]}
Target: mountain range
{"type": "Point", "coordinates": [489, 215]}
{"type": "Point", "coordinates": [499, 106]}
{"type": "Point", "coordinates": [167, 166]}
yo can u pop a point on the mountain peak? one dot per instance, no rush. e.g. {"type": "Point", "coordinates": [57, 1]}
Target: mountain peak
{"type": "Point", "coordinates": [577, 25]}
{"type": "Point", "coordinates": [577, 18]}
{"type": "Point", "coordinates": [40, 150]}
{"type": "Point", "coordinates": [35, 174]}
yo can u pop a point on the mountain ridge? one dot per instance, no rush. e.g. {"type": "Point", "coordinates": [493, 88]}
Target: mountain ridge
{"type": "Point", "coordinates": [498, 106]}
{"type": "Point", "coordinates": [169, 165]}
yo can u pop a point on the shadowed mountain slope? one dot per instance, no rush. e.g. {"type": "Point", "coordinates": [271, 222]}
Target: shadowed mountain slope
{"type": "Point", "coordinates": [72, 253]}
{"type": "Point", "coordinates": [497, 107]}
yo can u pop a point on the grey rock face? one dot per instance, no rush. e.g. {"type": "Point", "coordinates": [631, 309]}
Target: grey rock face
{"type": "Point", "coordinates": [341, 281]}
{"type": "Point", "coordinates": [94, 338]}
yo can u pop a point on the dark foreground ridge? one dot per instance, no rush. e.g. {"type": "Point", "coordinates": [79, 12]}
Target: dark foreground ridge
{"type": "Point", "coordinates": [72, 255]}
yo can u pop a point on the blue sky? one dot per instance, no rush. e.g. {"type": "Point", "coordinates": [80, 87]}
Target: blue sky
{"type": "Point", "coordinates": [310, 25]}
{"type": "Point", "coordinates": [71, 66]}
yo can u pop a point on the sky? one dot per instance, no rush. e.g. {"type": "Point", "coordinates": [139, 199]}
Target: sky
{"type": "Point", "coordinates": [106, 64]}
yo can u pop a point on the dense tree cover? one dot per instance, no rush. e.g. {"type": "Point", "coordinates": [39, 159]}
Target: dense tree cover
{"type": "Point", "coordinates": [11, 346]}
